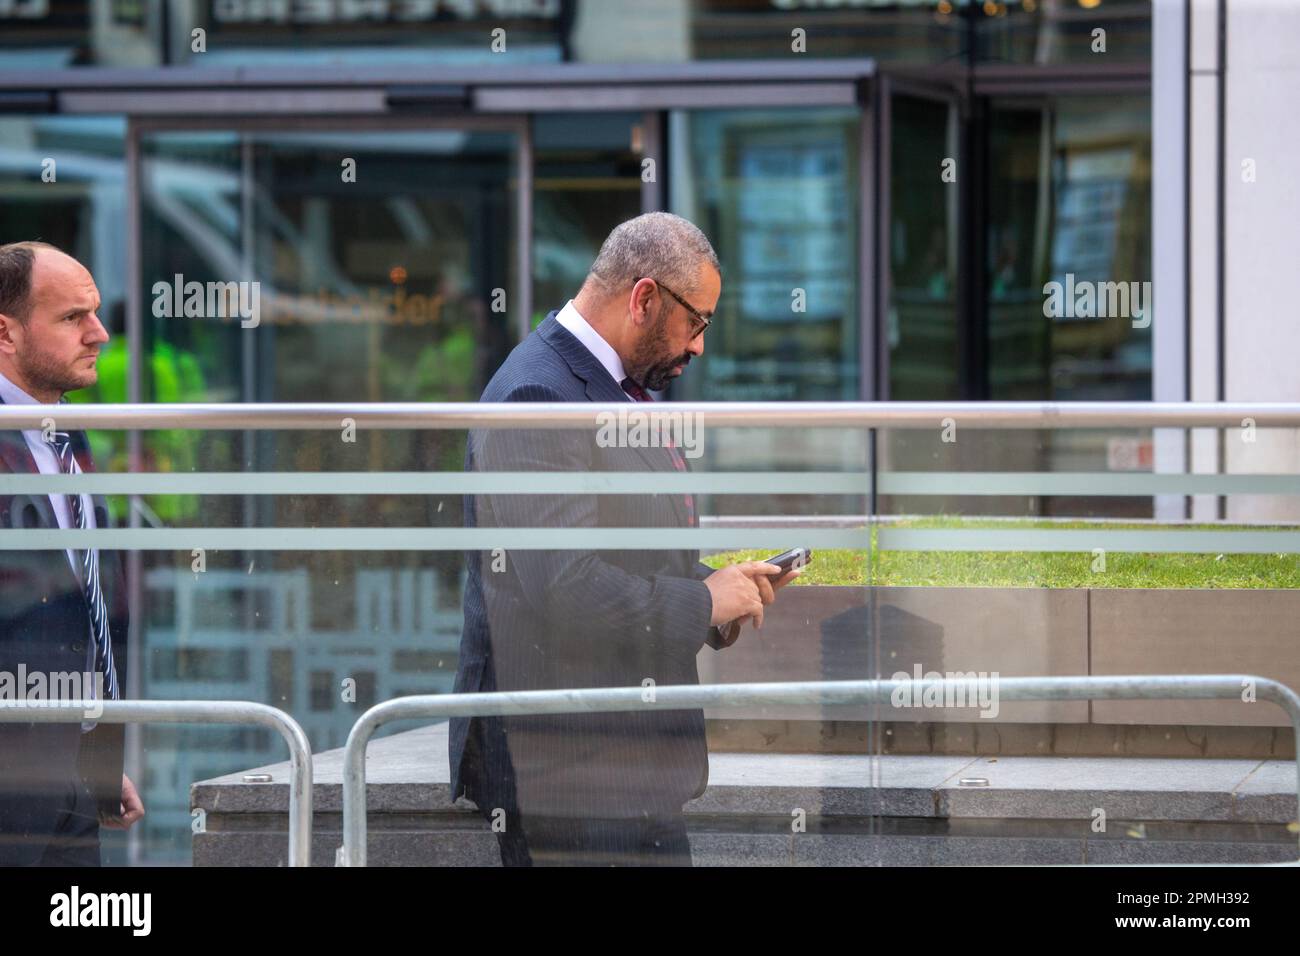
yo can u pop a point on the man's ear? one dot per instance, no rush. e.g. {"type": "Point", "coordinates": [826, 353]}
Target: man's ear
{"type": "Point", "coordinates": [638, 303]}
{"type": "Point", "coordinates": [8, 325]}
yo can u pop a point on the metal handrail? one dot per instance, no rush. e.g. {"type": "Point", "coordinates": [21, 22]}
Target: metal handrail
{"type": "Point", "coordinates": [462, 415]}
{"type": "Point", "coordinates": [730, 696]}
{"type": "Point", "coordinates": [194, 712]}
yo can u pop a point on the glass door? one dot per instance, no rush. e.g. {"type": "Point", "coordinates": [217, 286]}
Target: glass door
{"type": "Point", "coordinates": [778, 193]}
{"type": "Point", "coordinates": [308, 262]}
{"type": "Point", "coordinates": [923, 177]}
{"type": "Point", "coordinates": [1068, 274]}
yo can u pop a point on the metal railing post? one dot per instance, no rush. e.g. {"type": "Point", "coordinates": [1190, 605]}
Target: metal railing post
{"type": "Point", "coordinates": [193, 712]}
{"type": "Point", "coordinates": [728, 696]}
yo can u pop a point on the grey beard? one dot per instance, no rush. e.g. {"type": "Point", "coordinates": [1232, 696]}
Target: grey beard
{"type": "Point", "coordinates": [651, 372]}
{"type": "Point", "coordinates": [657, 378]}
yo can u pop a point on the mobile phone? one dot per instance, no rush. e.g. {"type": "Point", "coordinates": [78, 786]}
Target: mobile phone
{"type": "Point", "coordinates": [794, 558]}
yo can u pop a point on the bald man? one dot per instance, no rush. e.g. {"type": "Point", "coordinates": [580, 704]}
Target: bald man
{"type": "Point", "coordinates": [63, 621]}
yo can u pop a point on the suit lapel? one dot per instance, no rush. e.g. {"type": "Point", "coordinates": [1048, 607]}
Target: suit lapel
{"type": "Point", "coordinates": [14, 451]}
{"type": "Point", "coordinates": [18, 460]}
{"type": "Point", "coordinates": [601, 387]}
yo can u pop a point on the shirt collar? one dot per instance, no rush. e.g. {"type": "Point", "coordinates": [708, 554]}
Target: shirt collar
{"type": "Point", "coordinates": [572, 319]}
{"type": "Point", "coordinates": [13, 395]}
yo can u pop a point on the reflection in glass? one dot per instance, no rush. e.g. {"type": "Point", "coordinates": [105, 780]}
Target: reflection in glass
{"type": "Point", "coordinates": [921, 324]}
{"type": "Point", "coordinates": [586, 180]}
{"type": "Point", "coordinates": [51, 34]}
{"type": "Point", "coordinates": [777, 192]}
{"type": "Point", "coordinates": [1062, 31]}
{"type": "Point", "coordinates": [1069, 203]}
{"type": "Point", "coordinates": [377, 258]}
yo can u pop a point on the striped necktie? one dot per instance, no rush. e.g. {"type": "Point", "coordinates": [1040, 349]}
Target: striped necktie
{"type": "Point", "coordinates": [62, 443]}
{"type": "Point", "coordinates": [641, 395]}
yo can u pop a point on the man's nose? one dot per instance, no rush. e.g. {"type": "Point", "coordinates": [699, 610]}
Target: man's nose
{"type": "Point", "coordinates": [696, 345]}
{"type": "Point", "coordinates": [96, 332]}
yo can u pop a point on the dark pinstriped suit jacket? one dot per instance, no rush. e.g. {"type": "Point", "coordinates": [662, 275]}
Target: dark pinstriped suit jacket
{"type": "Point", "coordinates": [565, 618]}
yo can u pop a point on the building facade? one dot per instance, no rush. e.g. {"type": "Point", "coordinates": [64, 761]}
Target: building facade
{"type": "Point", "coordinates": [1050, 200]}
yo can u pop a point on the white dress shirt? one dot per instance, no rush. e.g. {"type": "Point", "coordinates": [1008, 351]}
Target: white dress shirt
{"type": "Point", "coordinates": [47, 463]}
{"type": "Point", "coordinates": [572, 320]}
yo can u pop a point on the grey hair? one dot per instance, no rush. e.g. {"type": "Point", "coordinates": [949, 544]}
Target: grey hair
{"type": "Point", "coordinates": [656, 245]}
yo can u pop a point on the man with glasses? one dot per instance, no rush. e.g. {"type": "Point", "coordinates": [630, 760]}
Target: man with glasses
{"type": "Point", "coordinates": [596, 789]}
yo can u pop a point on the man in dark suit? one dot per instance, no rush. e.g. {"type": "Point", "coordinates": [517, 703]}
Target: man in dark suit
{"type": "Point", "coordinates": [596, 788]}
{"type": "Point", "coordinates": [63, 620]}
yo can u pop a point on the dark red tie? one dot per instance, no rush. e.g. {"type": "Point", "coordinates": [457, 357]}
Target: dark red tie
{"type": "Point", "coordinates": [641, 395]}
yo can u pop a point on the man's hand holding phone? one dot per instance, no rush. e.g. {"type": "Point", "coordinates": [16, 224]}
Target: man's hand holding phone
{"type": "Point", "coordinates": [741, 591]}
{"type": "Point", "coordinates": [735, 591]}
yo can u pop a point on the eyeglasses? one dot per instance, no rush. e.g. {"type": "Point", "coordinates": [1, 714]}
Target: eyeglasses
{"type": "Point", "coordinates": [696, 314]}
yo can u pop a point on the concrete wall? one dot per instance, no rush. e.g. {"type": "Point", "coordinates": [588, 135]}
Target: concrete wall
{"type": "Point", "coordinates": [828, 633]}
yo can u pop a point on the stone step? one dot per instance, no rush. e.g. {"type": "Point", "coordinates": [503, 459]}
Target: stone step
{"type": "Point", "coordinates": [854, 810]}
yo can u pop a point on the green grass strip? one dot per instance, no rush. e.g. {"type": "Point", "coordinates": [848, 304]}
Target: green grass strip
{"type": "Point", "coordinates": [1037, 569]}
